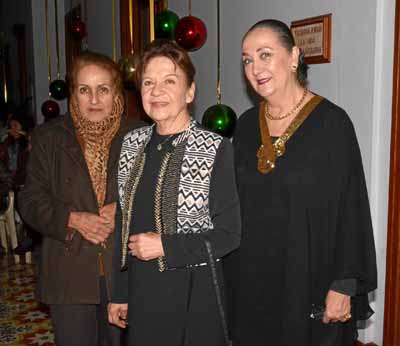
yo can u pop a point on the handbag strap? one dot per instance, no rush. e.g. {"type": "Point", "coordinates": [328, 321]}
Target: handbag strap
{"type": "Point", "coordinates": [218, 293]}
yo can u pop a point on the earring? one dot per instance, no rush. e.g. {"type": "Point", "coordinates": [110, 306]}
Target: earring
{"type": "Point", "coordinates": [294, 67]}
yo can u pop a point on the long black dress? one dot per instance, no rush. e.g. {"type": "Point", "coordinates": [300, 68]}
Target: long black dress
{"type": "Point", "coordinates": [305, 225]}
{"type": "Point", "coordinates": [178, 307]}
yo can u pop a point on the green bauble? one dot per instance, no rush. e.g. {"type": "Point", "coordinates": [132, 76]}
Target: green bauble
{"type": "Point", "coordinates": [221, 119]}
{"type": "Point", "coordinates": [127, 66]}
{"type": "Point", "coordinates": [165, 23]}
{"type": "Point", "coordinates": [58, 89]}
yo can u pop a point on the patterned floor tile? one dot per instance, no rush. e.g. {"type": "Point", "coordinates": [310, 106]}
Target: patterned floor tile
{"type": "Point", "coordinates": [23, 321]}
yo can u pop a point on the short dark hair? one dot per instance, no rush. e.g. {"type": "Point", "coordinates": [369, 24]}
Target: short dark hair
{"type": "Point", "coordinates": [168, 49]}
{"type": "Point", "coordinates": [92, 58]}
{"type": "Point", "coordinates": [287, 40]}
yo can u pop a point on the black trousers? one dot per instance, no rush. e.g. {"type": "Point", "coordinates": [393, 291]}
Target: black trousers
{"type": "Point", "coordinates": [84, 325]}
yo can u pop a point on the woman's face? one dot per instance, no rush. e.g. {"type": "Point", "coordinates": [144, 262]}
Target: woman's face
{"type": "Point", "coordinates": [267, 64]}
{"type": "Point", "coordinates": [165, 93]}
{"type": "Point", "coordinates": [95, 92]}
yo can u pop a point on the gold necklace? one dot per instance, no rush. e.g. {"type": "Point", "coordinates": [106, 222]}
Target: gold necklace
{"type": "Point", "coordinates": [268, 152]}
{"type": "Point", "coordinates": [294, 110]}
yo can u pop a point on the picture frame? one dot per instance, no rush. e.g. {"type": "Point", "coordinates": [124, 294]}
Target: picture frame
{"type": "Point", "coordinates": [313, 36]}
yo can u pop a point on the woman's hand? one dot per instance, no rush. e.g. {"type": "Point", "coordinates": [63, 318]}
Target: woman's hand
{"type": "Point", "coordinates": [94, 228]}
{"type": "Point", "coordinates": [146, 246]}
{"type": "Point", "coordinates": [108, 211]}
{"type": "Point", "coordinates": [337, 307]}
{"type": "Point", "coordinates": [117, 314]}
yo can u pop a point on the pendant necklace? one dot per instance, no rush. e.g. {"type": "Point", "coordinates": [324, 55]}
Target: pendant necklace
{"type": "Point", "coordinates": [160, 145]}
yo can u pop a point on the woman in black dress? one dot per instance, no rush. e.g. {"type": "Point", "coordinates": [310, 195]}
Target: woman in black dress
{"type": "Point", "coordinates": [177, 190]}
{"type": "Point", "coordinates": [307, 258]}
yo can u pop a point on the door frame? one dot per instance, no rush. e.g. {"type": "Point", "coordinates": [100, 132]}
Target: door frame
{"type": "Point", "coordinates": [391, 329]}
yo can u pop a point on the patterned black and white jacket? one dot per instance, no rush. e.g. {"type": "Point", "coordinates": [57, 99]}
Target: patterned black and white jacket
{"type": "Point", "coordinates": [183, 185]}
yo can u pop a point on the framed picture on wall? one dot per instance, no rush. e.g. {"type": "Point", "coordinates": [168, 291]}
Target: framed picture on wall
{"type": "Point", "coordinates": [313, 37]}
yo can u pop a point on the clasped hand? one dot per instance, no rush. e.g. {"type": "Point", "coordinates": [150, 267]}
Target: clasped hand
{"type": "Point", "coordinates": [337, 307]}
{"type": "Point", "coordinates": [146, 246]}
{"type": "Point", "coordinates": [117, 314]}
{"type": "Point", "coordinates": [94, 228]}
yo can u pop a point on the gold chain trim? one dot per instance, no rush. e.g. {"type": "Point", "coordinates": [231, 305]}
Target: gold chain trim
{"type": "Point", "coordinates": [268, 153]}
{"type": "Point", "coordinates": [129, 193]}
{"type": "Point", "coordinates": [157, 205]}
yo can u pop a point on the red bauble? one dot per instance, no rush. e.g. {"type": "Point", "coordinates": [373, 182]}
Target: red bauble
{"type": "Point", "coordinates": [50, 109]}
{"type": "Point", "coordinates": [190, 33]}
{"type": "Point", "coordinates": [78, 29]}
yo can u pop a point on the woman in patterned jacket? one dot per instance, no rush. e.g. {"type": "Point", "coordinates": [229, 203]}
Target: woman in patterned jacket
{"type": "Point", "coordinates": [176, 190]}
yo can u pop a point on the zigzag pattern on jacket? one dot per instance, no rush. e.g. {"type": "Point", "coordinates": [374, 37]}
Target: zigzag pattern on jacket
{"type": "Point", "coordinates": [193, 215]}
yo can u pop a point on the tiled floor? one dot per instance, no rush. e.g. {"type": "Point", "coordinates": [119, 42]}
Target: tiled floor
{"type": "Point", "coordinates": [23, 321]}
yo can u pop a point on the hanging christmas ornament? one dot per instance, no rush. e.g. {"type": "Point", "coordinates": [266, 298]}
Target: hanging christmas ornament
{"type": "Point", "coordinates": [127, 64]}
{"type": "Point", "coordinates": [165, 23]}
{"type": "Point", "coordinates": [50, 108]}
{"type": "Point", "coordinates": [58, 88]}
{"type": "Point", "coordinates": [78, 29]}
{"type": "Point", "coordinates": [219, 118]}
{"type": "Point", "coordinates": [190, 31]}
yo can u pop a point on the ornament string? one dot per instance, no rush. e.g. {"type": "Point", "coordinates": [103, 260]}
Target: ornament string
{"type": "Point", "coordinates": [85, 8]}
{"type": "Point", "coordinates": [151, 11]}
{"type": "Point", "coordinates": [114, 40]}
{"type": "Point", "coordinates": [218, 53]}
{"type": "Point", "coordinates": [46, 17]}
{"type": "Point", "coordinates": [57, 42]}
{"type": "Point", "coordinates": [5, 84]}
{"type": "Point", "coordinates": [190, 7]}
{"type": "Point", "coordinates": [131, 24]}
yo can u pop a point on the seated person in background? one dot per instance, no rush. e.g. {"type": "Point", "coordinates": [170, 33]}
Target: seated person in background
{"type": "Point", "coordinates": [14, 152]}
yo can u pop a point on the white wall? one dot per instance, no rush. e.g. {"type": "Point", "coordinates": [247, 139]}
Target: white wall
{"type": "Point", "coordinates": [380, 151]}
{"type": "Point", "coordinates": [359, 79]}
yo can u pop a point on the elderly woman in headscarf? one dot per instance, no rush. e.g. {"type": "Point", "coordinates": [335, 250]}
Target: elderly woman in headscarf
{"type": "Point", "coordinates": [69, 196]}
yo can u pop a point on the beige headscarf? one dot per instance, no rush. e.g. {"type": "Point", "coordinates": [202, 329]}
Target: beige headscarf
{"type": "Point", "coordinates": [95, 140]}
